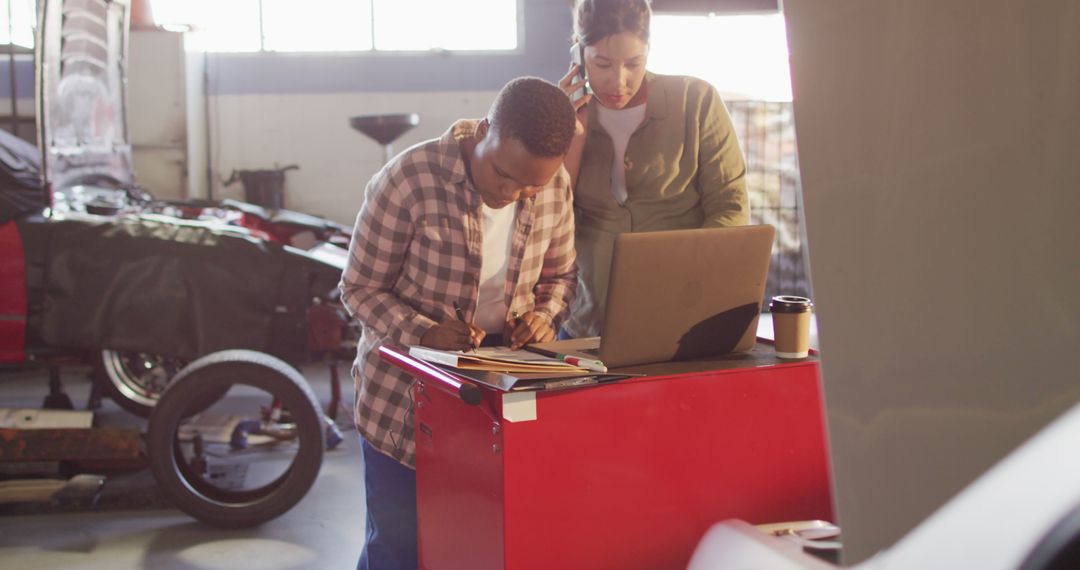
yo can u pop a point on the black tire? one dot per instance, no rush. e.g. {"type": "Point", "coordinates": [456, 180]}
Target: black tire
{"type": "Point", "coordinates": [211, 376]}
{"type": "Point", "coordinates": [134, 380]}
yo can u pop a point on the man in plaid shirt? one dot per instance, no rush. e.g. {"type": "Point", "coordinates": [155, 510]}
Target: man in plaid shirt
{"type": "Point", "coordinates": [481, 217]}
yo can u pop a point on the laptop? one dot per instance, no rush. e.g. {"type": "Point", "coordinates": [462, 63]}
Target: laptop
{"type": "Point", "coordinates": [679, 295]}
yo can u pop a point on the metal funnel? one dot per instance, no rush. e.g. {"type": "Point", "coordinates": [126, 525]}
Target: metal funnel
{"type": "Point", "coordinates": [385, 129]}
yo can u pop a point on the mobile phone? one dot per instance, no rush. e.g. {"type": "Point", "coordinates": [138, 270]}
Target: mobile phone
{"type": "Point", "coordinates": [577, 57]}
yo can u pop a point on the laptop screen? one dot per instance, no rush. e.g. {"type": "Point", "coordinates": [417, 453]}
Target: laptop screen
{"type": "Point", "coordinates": [680, 295]}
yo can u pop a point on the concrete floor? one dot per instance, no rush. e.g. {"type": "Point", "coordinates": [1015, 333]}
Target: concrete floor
{"type": "Point", "coordinates": [324, 530]}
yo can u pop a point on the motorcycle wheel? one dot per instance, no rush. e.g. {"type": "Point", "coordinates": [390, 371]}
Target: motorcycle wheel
{"type": "Point", "coordinates": [181, 468]}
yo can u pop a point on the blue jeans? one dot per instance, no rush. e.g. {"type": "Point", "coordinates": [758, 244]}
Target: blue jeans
{"type": "Point", "coordinates": [391, 513]}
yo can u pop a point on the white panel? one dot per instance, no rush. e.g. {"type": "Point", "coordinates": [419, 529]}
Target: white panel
{"type": "Point", "coordinates": [938, 144]}
{"type": "Point", "coordinates": [519, 406]}
{"type": "Point", "coordinates": [157, 115]}
{"type": "Point", "coordinates": [195, 95]}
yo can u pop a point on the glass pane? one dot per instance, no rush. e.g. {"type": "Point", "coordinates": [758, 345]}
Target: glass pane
{"type": "Point", "coordinates": [20, 28]}
{"type": "Point", "coordinates": [742, 56]}
{"type": "Point", "coordinates": [440, 24]}
{"type": "Point", "coordinates": [316, 25]}
{"type": "Point", "coordinates": [215, 25]}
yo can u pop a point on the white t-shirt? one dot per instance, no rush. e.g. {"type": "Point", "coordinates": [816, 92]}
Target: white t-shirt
{"type": "Point", "coordinates": [491, 303]}
{"type": "Point", "coordinates": [620, 124]}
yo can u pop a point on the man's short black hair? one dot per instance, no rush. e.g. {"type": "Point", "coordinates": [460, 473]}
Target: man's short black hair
{"type": "Point", "coordinates": [535, 112]}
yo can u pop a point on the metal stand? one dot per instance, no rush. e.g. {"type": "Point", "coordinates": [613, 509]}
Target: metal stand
{"type": "Point", "coordinates": [57, 398]}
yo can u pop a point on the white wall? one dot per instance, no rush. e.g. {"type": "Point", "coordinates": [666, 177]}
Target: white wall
{"type": "Point", "coordinates": [250, 132]}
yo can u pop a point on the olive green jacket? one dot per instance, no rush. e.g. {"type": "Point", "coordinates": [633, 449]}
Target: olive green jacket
{"type": "Point", "coordinates": [684, 170]}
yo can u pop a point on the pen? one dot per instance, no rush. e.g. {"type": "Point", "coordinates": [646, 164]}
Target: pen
{"type": "Point", "coordinates": [461, 317]}
{"type": "Point", "coordinates": [586, 363]}
{"type": "Point", "coordinates": [460, 314]}
{"type": "Point", "coordinates": [517, 323]}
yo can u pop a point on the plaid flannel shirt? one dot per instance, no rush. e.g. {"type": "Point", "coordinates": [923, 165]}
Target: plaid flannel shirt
{"type": "Point", "coordinates": [417, 248]}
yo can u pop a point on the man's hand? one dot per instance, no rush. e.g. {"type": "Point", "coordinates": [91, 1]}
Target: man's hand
{"type": "Point", "coordinates": [531, 327]}
{"type": "Point", "coordinates": [452, 334]}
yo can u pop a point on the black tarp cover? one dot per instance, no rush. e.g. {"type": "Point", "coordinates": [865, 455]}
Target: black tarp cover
{"type": "Point", "coordinates": [174, 289]}
{"type": "Point", "coordinates": [20, 178]}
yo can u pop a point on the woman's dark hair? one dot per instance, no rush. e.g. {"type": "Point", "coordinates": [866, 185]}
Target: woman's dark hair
{"type": "Point", "coordinates": [595, 20]}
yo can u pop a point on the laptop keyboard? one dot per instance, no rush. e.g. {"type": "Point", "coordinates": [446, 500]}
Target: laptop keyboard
{"type": "Point", "coordinates": [592, 351]}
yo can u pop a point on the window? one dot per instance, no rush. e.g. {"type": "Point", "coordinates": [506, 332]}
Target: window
{"type": "Point", "coordinates": [743, 56]}
{"type": "Point", "coordinates": [746, 58]}
{"type": "Point", "coordinates": [445, 24]}
{"type": "Point", "coordinates": [316, 25]}
{"type": "Point", "coordinates": [215, 25]}
{"type": "Point", "coordinates": [343, 25]}
{"type": "Point", "coordinates": [17, 29]}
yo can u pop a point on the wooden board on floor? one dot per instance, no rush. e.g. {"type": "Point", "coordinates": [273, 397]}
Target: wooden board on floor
{"type": "Point", "coordinates": [69, 444]}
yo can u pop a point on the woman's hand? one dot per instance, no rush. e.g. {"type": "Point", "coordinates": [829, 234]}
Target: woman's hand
{"type": "Point", "coordinates": [452, 334]}
{"type": "Point", "coordinates": [570, 84]}
{"type": "Point", "coordinates": [531, 327]}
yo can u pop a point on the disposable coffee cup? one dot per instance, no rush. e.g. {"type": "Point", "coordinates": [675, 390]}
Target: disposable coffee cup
{"type": "Point", "coordinates": [791, 325]}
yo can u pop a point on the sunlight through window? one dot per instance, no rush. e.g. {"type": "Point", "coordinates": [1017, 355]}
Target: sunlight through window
{"type": "Point", "coordinates": [439, 24]}
{"type": "Point", "coordinates": [344, 25]}
{"type": "Point", "coordinates": [19, 29]}
{"type": "Point", "coordinates": [214, 25]}
{"type": "Point", "coordinates": [316, 25]}
{"type": "Point", "coordinates": [744, 56]}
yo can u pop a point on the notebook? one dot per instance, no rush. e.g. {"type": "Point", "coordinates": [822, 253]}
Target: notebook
{"type": "Point", "coordinates": [494, 358]}
{"type": "Point", "coordinates": [679, 295]}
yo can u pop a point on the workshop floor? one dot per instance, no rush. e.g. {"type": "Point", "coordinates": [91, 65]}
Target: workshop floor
{"type": "Point", "coordinates": [323, 531]}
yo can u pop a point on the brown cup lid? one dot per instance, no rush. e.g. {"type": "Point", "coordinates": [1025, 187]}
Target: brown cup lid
{"type": "Point", "coordinates": [790, 304]}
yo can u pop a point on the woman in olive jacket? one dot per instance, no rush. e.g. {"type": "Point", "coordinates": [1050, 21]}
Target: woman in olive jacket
{"type": "Point", "coordinates": [653, 152]}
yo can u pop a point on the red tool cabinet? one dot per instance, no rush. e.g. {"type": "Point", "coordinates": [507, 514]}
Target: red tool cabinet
{"type": "Point", "coordinates": [623, 475]}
